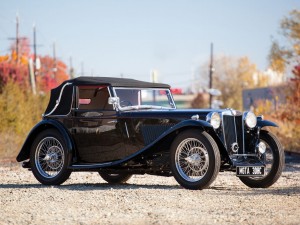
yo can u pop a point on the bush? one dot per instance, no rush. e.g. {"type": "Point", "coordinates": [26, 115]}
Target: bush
{"type": "Point", "coordinates": [287, 117]}
{"type": "Point", "coordinates": [20, 110]}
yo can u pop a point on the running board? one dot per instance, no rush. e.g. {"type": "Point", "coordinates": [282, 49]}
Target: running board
{"type": "Point", "coordinates": [89, 166]}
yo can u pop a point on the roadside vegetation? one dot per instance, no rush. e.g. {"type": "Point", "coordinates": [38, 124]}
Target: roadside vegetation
{"type": "Point", "coordinates": [20, 108]}
{"type": "Point", "coordinates": [285, 58]}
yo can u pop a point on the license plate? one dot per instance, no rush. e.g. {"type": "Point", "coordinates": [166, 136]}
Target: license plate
{"type": "Point", "coordinates": [252, 171]}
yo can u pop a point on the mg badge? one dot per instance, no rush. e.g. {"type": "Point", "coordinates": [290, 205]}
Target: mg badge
{"type": "Point", "coordinates": [234, 147]}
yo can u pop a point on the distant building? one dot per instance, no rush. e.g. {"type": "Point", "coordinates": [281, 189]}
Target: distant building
{"type": "Point", "coordinates": [272, 77]}
{"type": "Point", "coordinates": [275, 95]}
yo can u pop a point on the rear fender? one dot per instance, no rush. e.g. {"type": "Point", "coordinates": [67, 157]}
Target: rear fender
{"type": "Point", "coordinates": [41, 126]}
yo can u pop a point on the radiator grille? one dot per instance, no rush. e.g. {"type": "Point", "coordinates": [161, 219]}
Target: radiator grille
{"type": "Point", "coordinates": [233, 131]}
{"type": "Point", "coordinates": [240, 133]}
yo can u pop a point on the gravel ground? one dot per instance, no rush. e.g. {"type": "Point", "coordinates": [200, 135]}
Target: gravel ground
{"type": "Point", "coordinates": [86, 199]}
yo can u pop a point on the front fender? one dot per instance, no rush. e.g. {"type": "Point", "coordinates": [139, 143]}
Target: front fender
{"type": "Point", "coordinates": [266, 123]}
{"type": "Point", "coordinates": [200, 124]}
{"type": "Point", "coordinates": [43, 125]}
{"type": "Point", "coordinates": [190, 123]}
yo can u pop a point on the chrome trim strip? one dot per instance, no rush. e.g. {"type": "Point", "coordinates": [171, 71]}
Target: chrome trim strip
{"type": "Point", "coordinates": [227, 113]}
{"type": "Point", "coordinates": [244, 154]}
{"type": "Point", "coordinates": [59, 98]}
{"type": "Point", "coordinates": [170, 95]}
{"type": "Point", "coordinates": [126, 129]}
{"type": "Point", "coordinates": [89, 165]}
{"type": "Point", "coordinates": [235, 129]}
{"type": "Point", "coordinates": [243, 128]}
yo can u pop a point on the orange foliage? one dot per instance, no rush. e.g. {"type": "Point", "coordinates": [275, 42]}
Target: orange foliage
{"type": "Point", "coordinates": [51, 74]}
{"type": "Point", "coordinates": [288, 116]}
{"type": "Point", "coordinates": [16, 67]}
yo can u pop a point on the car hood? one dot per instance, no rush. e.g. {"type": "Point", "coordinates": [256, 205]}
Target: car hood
{"type": "Point", "coordinates": [172, 113]}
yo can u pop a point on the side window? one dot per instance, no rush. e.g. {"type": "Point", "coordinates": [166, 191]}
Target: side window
{"type": "Point", "coordinates": [93, 98]}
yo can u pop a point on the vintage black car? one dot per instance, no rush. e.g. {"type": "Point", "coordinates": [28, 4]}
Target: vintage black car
{"type": "Point", "coordinates": [120, 127]}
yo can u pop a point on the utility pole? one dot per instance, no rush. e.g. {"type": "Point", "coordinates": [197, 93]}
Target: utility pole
{"type": "Point", "coordinates": [34, 52]}
{"type": "Point", "coordinates": [17, 37]}
{"type": "Point", "coordinates": [71, 72]}
{"type": "Point", "coordinates": [82, 69]}
{"type": "Point", "coordinates": [54, 61]}
{"type": "Point", "coordinates": [211, 70]}
{"type": "Point", "coordinates": [32, 65]}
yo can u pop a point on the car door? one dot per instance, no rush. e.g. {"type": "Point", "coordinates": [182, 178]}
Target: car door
{"type": "Point", "coordinates": [97, 133]}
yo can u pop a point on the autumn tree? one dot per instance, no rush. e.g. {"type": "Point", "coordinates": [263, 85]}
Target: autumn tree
{"type": "Point", "coordinates": [20, 109]}
{"type": "Point", "coordinates": [15, 66]}
{"type": "Point", "coordinates": [52, 73]}
{"type": "Point", "coordinates": [285, 57]}
{"type": "Point", "coordinates": [231, 76]}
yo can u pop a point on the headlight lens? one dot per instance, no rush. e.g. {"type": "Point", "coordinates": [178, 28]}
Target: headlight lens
{"type": "Point", "coordinates": [250, 119]}
{"type": "Point", "coordinates": [261, 147]}
{"type": "Point", "coordinates": [214, 119]}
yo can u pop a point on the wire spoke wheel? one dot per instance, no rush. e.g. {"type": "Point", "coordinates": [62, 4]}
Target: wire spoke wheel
{"type": "Point", "coordinates": [273, 159]}
{"type": "Point", "coordinates": [191, 159]}
{"type": "Point", "coordinates": [49, 157]}
{"type": "Point", "coordinates": [195, 159]}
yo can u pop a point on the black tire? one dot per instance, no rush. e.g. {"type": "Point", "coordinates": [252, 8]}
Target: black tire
{"type": "Point", "coordinates": [201, 164]}
{"type": "Point", "coordinates": [274, 162]}
{"type": "Point", "coordinates": [115, 178]}
{"type": "Point", "coordinates": [49, 158]}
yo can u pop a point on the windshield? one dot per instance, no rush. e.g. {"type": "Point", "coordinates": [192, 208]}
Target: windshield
{"type": "Point", "coordinates": [144, 98]}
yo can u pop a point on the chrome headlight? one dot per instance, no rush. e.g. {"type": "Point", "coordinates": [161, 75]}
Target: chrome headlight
{"type": "Point", "coordinates": [250, 119]}
{"type": "Point", "coordinates": [214, 119]}
{"type": "Point", "coordinates": [261, 147]}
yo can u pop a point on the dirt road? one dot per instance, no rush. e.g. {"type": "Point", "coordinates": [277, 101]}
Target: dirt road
{"type": "Point", "coordinates": [86, 199]}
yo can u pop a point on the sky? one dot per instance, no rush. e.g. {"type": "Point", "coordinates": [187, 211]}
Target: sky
{"type": "Point", "coordinates": [131, 38]}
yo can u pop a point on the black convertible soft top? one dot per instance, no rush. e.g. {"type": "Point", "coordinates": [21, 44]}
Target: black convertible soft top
{"type": "Point", "coordinates": [115, 82]}
{"type": "Point", "coordinates": [61, 96]}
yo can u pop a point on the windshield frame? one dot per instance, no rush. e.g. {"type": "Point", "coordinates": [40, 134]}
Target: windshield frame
{"type": "Point", "coordinates": [152, 107]}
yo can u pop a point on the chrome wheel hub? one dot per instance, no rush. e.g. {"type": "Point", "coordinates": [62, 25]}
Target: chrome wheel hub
{"type": "Point", "coordinates": [194, 159]}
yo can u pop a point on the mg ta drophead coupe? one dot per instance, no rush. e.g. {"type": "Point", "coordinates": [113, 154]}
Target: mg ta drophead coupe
{"type": "Point", "coordinates": [120, 127]}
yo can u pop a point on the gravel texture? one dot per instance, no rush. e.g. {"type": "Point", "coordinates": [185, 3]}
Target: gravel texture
{"type": "Point", "coordinates": [86, 199]}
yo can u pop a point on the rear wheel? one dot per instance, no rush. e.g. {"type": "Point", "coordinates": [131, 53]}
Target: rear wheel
{"type": "Point", "coordinates": [195, 159]}
{"type": "Point", "coordinates": [274, 160]}
{"type": "Point", "coordinates": [49, 158]}
{"type": "Point", "coordinates": [115, 178]}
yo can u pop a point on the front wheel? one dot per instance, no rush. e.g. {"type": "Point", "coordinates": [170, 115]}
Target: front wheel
{"type": "Point", "coordinates": [49, 158]}
{"type": "Point", "coordinates": [195, 159]}
{"type": "Point", "coordinates": [115, 178]}
{"type": "Point", "coordinates": [274, 160]}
